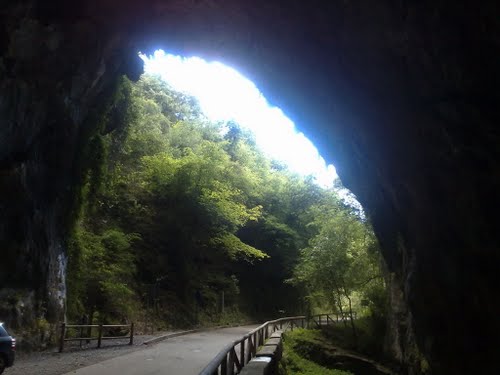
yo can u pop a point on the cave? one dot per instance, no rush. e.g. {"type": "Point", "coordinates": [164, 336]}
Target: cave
{"type": "Point", "coordinates": [400, 96]}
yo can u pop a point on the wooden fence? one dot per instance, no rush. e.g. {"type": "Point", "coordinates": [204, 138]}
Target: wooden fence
{"type": "Point", "coordinates": [87, 328]}
{"type": "Point", "coordinates": [326, 319]}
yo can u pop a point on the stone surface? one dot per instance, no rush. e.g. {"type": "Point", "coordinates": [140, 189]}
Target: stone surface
{"type": "Point", "coordinates": [272, 341]}
{"type": "Point", "coordinates": [258, 366]}
{"type": "Point", "coordinates": [401, 96]}
{"type": "Point", "coordinates": [268, 351]}
{"type": "Point", "coordinates": [276, 334]}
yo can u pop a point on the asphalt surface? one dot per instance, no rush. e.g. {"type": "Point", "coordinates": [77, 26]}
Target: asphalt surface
{"type": "Point", "coordinates": [182, 355]}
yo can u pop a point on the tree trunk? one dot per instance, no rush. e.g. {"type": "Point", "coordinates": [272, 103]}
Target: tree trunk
{"type": "Point", "coordinates": [351, 316]}
{"type": "Point", "coordinates": [90, 321]}
{"type": "Point", "coordinates": [339, 302]}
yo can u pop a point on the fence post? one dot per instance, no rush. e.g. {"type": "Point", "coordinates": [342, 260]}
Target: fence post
{"type": "Point", "coordinates": [131, 334]}
{"type": "Point", "coordinates": [242, 353]}
{"type": "Point", "coordinates": [63, 335]}
{"type": "Point", "coordinates": [223, 366]}
{"type": "Point", "coordinates": [99, 337]}
{"type": "Point", "coordinates": [88, 320]}
{"type": "Point", "coordinates": [249, 349]}
{"type": "Point", "coordinates": [82, 322]}
{"type": "Point", "coordinates": [232, 353]}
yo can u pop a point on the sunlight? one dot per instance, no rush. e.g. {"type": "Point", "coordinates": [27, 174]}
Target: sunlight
{"type": "Point", "coordinates": [224, 94]}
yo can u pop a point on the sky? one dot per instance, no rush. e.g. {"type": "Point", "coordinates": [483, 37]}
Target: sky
{"type": "Point", "coordinates": [224, 94]}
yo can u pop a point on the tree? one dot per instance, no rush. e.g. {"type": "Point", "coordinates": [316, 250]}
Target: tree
{"type": "Point", "coordinates": [105, 274]}
{"type": "Point", "coordinates": [178, 209]}
{"type": "Point", "coordinates": [341, 260]}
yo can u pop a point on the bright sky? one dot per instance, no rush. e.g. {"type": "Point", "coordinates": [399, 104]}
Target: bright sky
{"type": "Point", "coordinates": [224, 94]}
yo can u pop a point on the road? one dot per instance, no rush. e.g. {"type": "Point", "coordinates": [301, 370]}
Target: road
{"type": "Point", "coordinates": [182, 355]}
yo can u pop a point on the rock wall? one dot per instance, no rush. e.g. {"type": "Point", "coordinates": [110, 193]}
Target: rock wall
{"type": "Point", "coordinates": [54, 79]}
{"type": "Point", "coordinates": [400, 343]}
{"type": "Point", "coordinates": [402, 97]}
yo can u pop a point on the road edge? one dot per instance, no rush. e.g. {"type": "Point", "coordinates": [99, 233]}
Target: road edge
{"type": "Point", "coordinates": [182, 333]}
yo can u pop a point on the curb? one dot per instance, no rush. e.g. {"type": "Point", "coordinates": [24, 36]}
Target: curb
{"type": "Point", "coordinates": [168, 336]}
{"type": "Point", "coordinates": [182, 333]}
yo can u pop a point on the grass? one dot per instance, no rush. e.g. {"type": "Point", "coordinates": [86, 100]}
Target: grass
{"type": "Point", "coordinates": [293, 362]}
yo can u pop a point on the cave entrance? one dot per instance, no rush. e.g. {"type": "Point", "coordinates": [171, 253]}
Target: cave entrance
{"type": "Point", "coordinates": [399, 92]}
{"type": "Point", "coordinates": [191, 207]}
{"type": "Point", "coordinates": [226, 96]}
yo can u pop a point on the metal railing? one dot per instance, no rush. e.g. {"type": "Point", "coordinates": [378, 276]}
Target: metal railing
{"type": "Point", "coordinates": [237, 354]}
{"type": "Point", "coordinates": [101, 328]}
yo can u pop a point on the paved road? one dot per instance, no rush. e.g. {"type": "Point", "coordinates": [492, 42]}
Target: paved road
{"type": "Point", "coordinates": [182, 355]}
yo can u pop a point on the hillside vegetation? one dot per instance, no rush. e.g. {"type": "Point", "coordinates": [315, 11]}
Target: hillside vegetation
{"type": "Point", "coordinates": [183, 221]}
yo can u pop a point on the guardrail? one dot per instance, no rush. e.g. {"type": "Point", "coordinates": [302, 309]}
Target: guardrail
{"type": "Point", "coordinates": [326, 319]}
{"type": "Point", "coordinates": [100, 330]}
{"type": "Point", "coordinates": [236, 355]}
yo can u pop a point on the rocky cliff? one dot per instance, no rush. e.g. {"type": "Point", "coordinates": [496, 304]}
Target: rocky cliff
{"type": "Point", "coordinates": [401, 96]}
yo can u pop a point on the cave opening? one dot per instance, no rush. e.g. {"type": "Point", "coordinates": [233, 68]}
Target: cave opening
{"type": "Point", "coordinates": [155, 157]}
{"type": "Point", "coordinates": [171, 187]}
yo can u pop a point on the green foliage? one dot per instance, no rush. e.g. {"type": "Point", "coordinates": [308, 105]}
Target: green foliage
{"type": "Point", "coordinates": [297, 343]}
{"type": "Point", "coordinates": [86, 281]}
{"type": "Point", "coordinates": [369, 330]}
{"type": "Point", "coordinates": [231, 316]}
{"type": "Point", "coordinates": [177, 210]}
{"type": "Point", "coordinates": [102, 280]}
{"type": "Point", "coordinates": [235, 248]}
{"type": "Point", "coordinates": [341, 265]}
